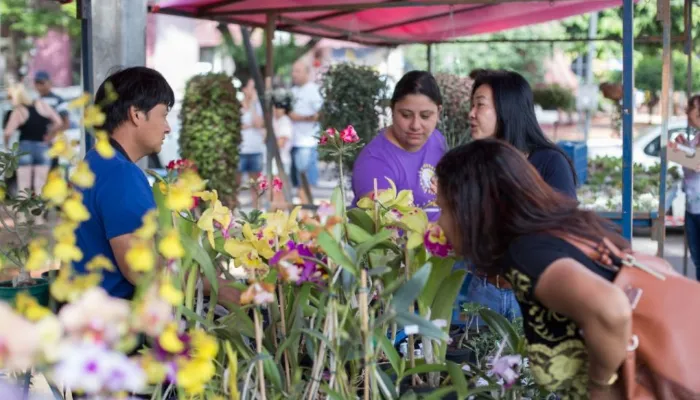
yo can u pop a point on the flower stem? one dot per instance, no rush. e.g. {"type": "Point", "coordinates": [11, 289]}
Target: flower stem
{"type": "Point", "coordinates": [258, 348]}
{"type": "Point", "coordinates": [411, 340]}
{"type": "Point", "coordinates": [364, 314]}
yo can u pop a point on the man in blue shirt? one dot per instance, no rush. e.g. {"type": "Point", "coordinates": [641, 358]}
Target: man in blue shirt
{"type": "Point", "coordinates": [121, 195]}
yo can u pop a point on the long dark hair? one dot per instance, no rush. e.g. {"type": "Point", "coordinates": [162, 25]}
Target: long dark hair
{"type": "Point", "coordinates": [417, 82]}
{"type": "Point", "coordinates": [494, 195]}
{"type": "Point", "coordinates": [515, 111]}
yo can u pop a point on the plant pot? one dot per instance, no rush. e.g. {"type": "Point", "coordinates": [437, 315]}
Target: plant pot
{"type": "Point", "coordinates": [39, 290]}
{"type": "Point", "coordinates": [426, 390]}
{"type": "Point", "coordinates": [461, 356]}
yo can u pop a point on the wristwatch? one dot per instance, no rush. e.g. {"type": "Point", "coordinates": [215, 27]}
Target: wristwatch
{"type": "Point", "coordinates": [605, 384]}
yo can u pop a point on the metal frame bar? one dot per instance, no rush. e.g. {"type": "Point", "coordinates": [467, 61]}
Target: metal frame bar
{"type": "Point", "coordinates": [335, 14]}
{"type": "Point", "coordinates": [427, 18]}
{"type": "Point", "coordinates": [359, 6]}
{"type": "Point", "coordinates": [627, 115]}
{"type": "Point", "coordinates": [344, 32]}
{"type": "Point", "coordinates": [666, 87]}
{"type": "Point", "coordinates": [688, 10]}
{"type": "Point", "coordinates": [223, 3]}
{"type": "Point", "coordinates": [85, 15]}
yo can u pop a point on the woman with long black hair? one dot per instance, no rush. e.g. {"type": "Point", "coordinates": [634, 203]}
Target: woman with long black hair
{"type": "Point", "coordinates": [498, 212]}
{"type": "Point", "coordinates": [502, 107]}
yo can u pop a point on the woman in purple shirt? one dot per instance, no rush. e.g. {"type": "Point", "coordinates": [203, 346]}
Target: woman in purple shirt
{"type": "Point", "coordinates": [409, 149]}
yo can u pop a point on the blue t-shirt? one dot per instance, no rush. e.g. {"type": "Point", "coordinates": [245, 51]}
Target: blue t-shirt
{"type": "Point", "coordinates": [117, 202]}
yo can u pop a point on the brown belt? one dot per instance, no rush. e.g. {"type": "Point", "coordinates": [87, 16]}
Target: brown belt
{"type": "Point", "coordinates": [497, 281]}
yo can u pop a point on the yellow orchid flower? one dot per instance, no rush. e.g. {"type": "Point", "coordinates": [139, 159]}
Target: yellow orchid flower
{"type": "Point", "coordinates": [417, 223]}
{"type": "Point", "coordinates": [28, 307]}
{"type": "Point", "coordinates": [170, 294]}
{"type": "Point", "coordinates": [74, 209]}
{"type": "Point", "coordinates": [388, 198]}
{"type": "Point", "coordinates": [192, 180]}
{"type": "Point", "coordinates": [80, 102]}
{"type": "Point", "coordinates": [102, 145]}
{"type": "Point", "coordinates": [279, 225]}
{"type": "Point", "coordinates": [149, 227]}
{"type": "Point", "coordinates": [170, 341]}
{"type": "Point", "coordinates": [205, 347]}
{"type": "Point", "coordinates": [67, 288]}
{"type": "Point", "coordinates": [193, 375]}
{"type": "Point", "coordinates": [98, 263]}
{"type": "Point", "coordinates": [38, 256]}
{"type": "Point", "coordinates": [67, 252]}
{"type": "Point", "coordinates": [61, 148]}
{"type": "Point", "coordinates": [56, 188]}
{"type": "Point", "coordinates": [249, 250]}
{"type": "Point", "coordinates": [82, 176]}
{"type": "Point", "coordinates": [216, 212]}
{"type": "Point", "coordinates": [170, 246]}
{"type": "Point", "coordinates": [179, 197]}
{"type": "Point", "coordinates": [65, 231]}
{"type": "Point", "coordinates": [140, 256]}
{"type": "Point", "coordinates": [93, 116]}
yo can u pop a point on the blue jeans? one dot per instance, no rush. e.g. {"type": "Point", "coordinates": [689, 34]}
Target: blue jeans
{"type": "Point", "coordinates": [304, 159]}
{"type": "Point", "coordinates": [250, 163]}
{"type": "Point", "coordinates": [33, 153]}
{"type": "Point", "coordinates": [692, 233]}
{"type": "Point", "coordinates": [476, 289]}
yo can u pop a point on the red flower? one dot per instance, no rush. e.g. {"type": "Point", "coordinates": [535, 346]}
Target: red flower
{"type": "Point", "coordinates": [277, 184]}
{"type": "Point", "coordinates": [263, 184]}
{"type": "Point", "coordinates": [349, 135]}
{"type": "Point", "coordinates": [171, 165]}
{"type": "Point", "coordinates": [329, 133]}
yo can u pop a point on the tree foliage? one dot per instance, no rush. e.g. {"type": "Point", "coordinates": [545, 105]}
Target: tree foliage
{"type": "Point", "coordinates": [210, 132]}
{"type": "Point", "coordinates": [34, 18]}
{"type": "Point", "coordinates": [454, 121]}
{"type": "Point", "coordinates": [353, 95]}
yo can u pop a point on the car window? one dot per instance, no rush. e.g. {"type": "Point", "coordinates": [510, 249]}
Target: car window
{"type": "Point", "coordinates": [654, 147]}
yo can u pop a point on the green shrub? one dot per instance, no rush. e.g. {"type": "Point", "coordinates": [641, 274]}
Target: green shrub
{"type": "Point", "coordinates": [554, 97]}
{"type": "Point", "coordinates": [454, 122]}
{"type": "Point", "coordinates": [352, 96]}
{"type": "Point", "coordinates": [210, 132]}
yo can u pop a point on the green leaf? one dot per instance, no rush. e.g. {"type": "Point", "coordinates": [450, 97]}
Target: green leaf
{"type": "Point", "coordinates": [499, 324]}
{"type": "Point", "coordinates": [272, 372]}
{"type": "Point", "coordinates": [409, 291]}
{"type": "Point", "coordinates": [440, 393]}
{"type": "Point", "coordinates": [390, 351]}
{"type": "Point", "coordinates": [331, 247]}
{"type": "Point", "coordinates": [368, 245]}
{"type": "Point", "coordinates": [332, 395]}
{"type": "Point", "coordinates": [449, 290]}
{"type": "Point", "coordinates": [339, 204]}
{"type": "Point", "coordinates": [192, 316]}
{"type": "Point", "coordinates": [440, 271]}
{"type": "Point", "coordinates": [316, 334]}
{"type": "Point", "coordinates": [361, 219]}
{"type": "Point", "coordinates": [385, 384]}
{"type": "Point", "coordinates": [425, 327]}
{"type": "Point", "coordinates": [198, 253]}
{"type": "Point", "coordinates": [291, 340]}
{"type": "Point", "coordinates": [357, 234]}
{"type": "Point", "coordinates": [458, 379]}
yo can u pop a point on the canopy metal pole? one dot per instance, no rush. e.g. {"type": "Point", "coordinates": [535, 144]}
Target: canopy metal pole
{"type": "Point", "coordinates": [666, 87]}
{"type": "Point", "coordinates": [627, 115]}
{"type": "Point", "coordinates": [85, 15]}
{"type": "Point", "coordinates": [592, 32]}
{"type": "Point", "coordinates": [688, 9]}
{"type": "Point", "coordinates": [269, 72]}
{"type": "Point", "coordinates": [429, 55]}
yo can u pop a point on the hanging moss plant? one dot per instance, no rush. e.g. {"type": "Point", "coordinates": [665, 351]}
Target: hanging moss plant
{"type": "Point", "coordinates": [352, 96]}
{"type": "Point", "coordinates": [210, 132]}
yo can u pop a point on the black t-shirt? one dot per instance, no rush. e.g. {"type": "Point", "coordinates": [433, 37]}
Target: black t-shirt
{"type": "Point", "coordinates": [556, 350]}
{"type": "Point", "coordinates": [555, 169]}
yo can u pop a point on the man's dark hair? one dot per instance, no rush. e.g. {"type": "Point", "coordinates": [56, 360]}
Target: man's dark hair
{"type": "Point", "coordinates": [140, 87]}
{"type": "Point", "coordinates": [694, 102]}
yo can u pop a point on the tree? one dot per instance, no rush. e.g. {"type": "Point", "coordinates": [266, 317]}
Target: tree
{"type": "Point", "coordinates": [461, 58]}
{"type": "Point", "coordinates": [27, 19]}
{"type": "Point", "coordinates": [646, 25]}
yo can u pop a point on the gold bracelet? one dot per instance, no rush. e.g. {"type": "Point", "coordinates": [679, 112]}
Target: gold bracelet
{"type": "Point", "coordinates": [604, 384]}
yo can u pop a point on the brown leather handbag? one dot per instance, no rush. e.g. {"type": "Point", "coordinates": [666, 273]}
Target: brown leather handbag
{"type": "Point", "coordinates": [663, 359]}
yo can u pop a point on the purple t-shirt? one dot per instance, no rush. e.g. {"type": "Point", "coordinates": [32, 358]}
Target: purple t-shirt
{"type": "Point", "coordinates": [381, 159]}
